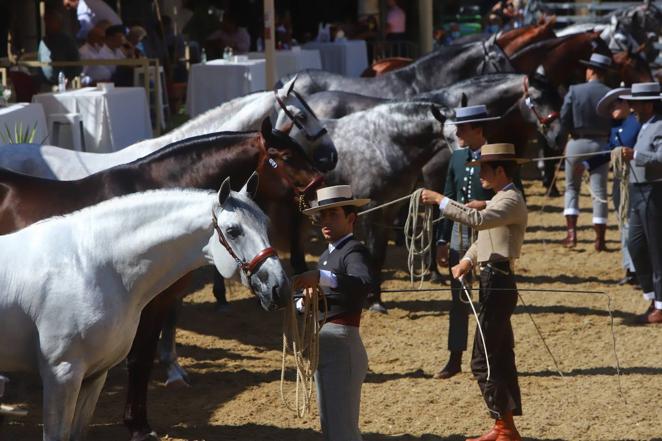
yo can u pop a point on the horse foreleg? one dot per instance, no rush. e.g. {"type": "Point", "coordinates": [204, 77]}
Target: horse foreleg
{"type": "Point", "coordinates": [62, 383]}
{"type": "Point", "coordinates": [177, 376]}
{"type": "Point", "coordinates": [139, 363]}
{"type": "Point", "coordinates": [376, 239]}
{"type": "Point", "coordinates": [219, 291]}
{"type": "Point", "coordinates": [297, 253]}
{"type": "Point", "coordinates": [87, 401]}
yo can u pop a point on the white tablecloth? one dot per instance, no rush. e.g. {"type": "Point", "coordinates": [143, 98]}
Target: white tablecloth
{"type": "Point", "coordinates": [112, 119]}
{"type": "Point", "coordinates": [292, 61]}
{"type": "Point", "coordinates": [349, 58]}
{"type": "Point", "coordinates": [24, 115]}
{"type": "Point", "coordinates": [218, 81]}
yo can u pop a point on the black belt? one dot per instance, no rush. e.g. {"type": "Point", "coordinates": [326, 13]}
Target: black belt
{"type": "Point", "coordinates": [654, 184]}
{"type": "Point", "coordinates": [500, 267]}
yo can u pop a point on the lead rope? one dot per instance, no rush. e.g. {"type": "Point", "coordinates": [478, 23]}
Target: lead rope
{"type": "Point", "coordinates": [418, 238]}
{"type": "Point", "coordinates": [301, 339]}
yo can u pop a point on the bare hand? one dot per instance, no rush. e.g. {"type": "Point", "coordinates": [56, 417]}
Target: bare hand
{"type": "Point", "coordinates": [461, 268]}
{"type": "Point", "coordinates": [429, 197]}
{"type": "Point", "coordinates": [627, 153]}
{"type": "Point", "coordinates": [309, 279]}
{"type": "Point", "coordinates": [477, 205]}
{"type": "Point", "coordinates": [442, 255]}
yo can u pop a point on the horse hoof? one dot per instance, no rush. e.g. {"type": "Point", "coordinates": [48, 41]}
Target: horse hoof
{"type": "Point", "coordinates": [177, 377]}
{"type": "Point", "coordinates": [222, 308]}
{"type": "Point", "coordinates": [151, 436]}
{"type": "Point", "coordinates": [177, 383]}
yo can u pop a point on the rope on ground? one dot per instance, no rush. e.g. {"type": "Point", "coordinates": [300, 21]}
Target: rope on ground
{"type": "Point", "coordinates": [621, 172]}
{"type": "Point", "coordinates": [418, 238]}
{"type": "Point", "coordinates": [301, 339]}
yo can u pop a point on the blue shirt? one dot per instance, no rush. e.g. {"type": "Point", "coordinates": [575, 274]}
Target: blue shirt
{"type": "Point", "coordinates": [623, 134]}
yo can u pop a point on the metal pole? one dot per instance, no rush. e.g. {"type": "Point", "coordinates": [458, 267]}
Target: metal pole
{"type": "Point", "coordinates": [269, 43]}
{"type": "Point", "coordinates": [425, 18]}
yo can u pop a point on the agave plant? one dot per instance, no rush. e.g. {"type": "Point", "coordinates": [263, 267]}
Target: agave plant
{"type": "Point", "coordinates": [19, 135]}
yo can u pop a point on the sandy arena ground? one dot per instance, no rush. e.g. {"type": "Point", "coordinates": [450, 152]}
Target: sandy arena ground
{"type": "Point", "coordinates": [234, 360]}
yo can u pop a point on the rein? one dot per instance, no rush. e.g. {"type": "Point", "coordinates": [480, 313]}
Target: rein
{"type": "Point", "coordinates": [248, 268]}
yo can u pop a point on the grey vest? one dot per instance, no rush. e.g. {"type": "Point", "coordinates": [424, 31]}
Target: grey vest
{"type": "Point", "coordinates": [647, 166]}
{"type": "Point", "coordinates": [578, 113]}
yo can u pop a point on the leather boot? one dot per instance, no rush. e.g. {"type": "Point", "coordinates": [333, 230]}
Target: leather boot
{"type": "Point", "coordinates": [570, 240]}
{"type": "Point", "coordinates": [600, 230]}
{"type": "Point", "coordinates": [453, 366]}
{"type": "Point", "coordinates": [504, 430]}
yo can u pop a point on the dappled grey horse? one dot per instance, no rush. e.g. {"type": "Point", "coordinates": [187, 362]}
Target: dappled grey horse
{"type": "Point", "coordinates": [439, 68]}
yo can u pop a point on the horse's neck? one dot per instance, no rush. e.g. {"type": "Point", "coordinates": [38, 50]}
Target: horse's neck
{"type": "Point", "coordinates": [202, 166]}
{"type": "Point", "coordinates": [241, 114]}
{"type": "Point", "coordinates": [150, 240]}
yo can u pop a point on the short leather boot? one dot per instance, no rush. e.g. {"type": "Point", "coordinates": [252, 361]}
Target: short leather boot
{"type": "Point", "coordinates": [600, 230]}
{"type": "Point", "coordinates": [570, 240]}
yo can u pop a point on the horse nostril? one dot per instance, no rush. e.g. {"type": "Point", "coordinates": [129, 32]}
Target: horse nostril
{"type": "Point", "coordinates": [275, 296]}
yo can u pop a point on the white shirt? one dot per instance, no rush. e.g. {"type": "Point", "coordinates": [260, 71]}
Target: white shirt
{"type": "Point", "coordinates": [91, 52]}
{"type": "Point", "coordinates": [91, 12]}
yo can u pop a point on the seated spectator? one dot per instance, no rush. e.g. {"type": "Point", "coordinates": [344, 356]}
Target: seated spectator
{"type": "Point", "coordinates": [57, 45]}
{"type": "Point", "coordinates": [135, 38]}
{"type": "Point", "coordinates": [230, 35]}
{"type": "Point", "coordinates": [89, 13]}
{"type": "Point", "coordinates": [95, 49]}
{"type": "Point", "coordinates": [119, 49]}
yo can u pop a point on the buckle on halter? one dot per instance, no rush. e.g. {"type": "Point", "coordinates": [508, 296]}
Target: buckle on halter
{"type": "Point", "coordinates": [273, 163]}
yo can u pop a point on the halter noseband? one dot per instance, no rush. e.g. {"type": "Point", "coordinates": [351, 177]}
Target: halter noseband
{"type": "Point", "coordinates": [248, 268]}
{"type": "Point", "coordinates": [312, 138]}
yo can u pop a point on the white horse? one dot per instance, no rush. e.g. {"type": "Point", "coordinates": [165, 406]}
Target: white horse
{"type": "Point", "coordinates": [74, 286]}
{"type": "Point", "coordinates": [241, 114]}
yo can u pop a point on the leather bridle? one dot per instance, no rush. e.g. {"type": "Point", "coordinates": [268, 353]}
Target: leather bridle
{"type": "Point", "coordinates": [315, 136]}
{"type": "Point", "coordinates": [248, 268]}
{"type": "Point", "coordinates": [543, 122]}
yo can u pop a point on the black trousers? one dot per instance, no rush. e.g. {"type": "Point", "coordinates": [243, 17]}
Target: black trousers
{"type": "Point", "coordinates": [645, 241]}
{"type": "Point", "coordinates": [501, 391]}
{"type": "Point", "coordinates": [458, 316]}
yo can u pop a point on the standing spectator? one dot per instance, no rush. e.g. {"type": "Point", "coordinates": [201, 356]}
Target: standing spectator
{"type": "Point", "coordinates": [590, 132]}
{"type": "Point", "coordinates": [89, 13]}
{"type": "Point", "coordinates": [57, 45]}
{"type": "Point", "coordinates": [396, 20]}
{"type": "Point", "coordinates": [645, 243]}
{"type": "Point", "coordinates": [230, 35]}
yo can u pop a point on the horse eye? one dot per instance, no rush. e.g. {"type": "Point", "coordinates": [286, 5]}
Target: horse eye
{"type": "Point", "coordinates": [233, 232]}
{"type": "Point", "coordinates": [286, 158]}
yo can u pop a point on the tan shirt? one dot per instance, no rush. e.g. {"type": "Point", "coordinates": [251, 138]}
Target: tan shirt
{"type": "Point", "coordinates": [500, 226]}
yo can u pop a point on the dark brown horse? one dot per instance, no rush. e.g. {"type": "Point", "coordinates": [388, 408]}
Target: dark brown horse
{"type": "Point", "coordinates": [202, 162]}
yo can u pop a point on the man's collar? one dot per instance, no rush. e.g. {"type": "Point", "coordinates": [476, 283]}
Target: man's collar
{"type": "Point", "coordinates": [337, 243]}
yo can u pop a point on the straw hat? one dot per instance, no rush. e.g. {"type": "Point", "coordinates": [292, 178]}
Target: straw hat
{"type": "Point", "coordinates": [604, 105]}
{"type": "Point", "coordinates": [598, 61]}
{"type": "Point", "coordinates": [496, 152]}
{"type": "Point", "coordinates": [336, 196]}
{"type": "Point", "coordinates": [643, 92]}
{"type": "Point", "coordinates": [471, 114]}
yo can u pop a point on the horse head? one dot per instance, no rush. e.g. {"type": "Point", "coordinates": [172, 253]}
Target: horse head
{"type": "Point", "coordinates": [286, 166]}
{"type": "Point", "coordinates": [631, 67]}
{"type": "Point", "coordinates": [298, 120]}
{"type": "Point", "coordinates": [540, 105]}
{"type": "Point", "coordinates": [240, 241]}
{"type": "Point", "coordinates": [642, 23]}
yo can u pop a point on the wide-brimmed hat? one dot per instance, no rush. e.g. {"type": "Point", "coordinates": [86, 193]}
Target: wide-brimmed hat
{"type": "Point", "coordinates": [496, 152]}
{"type": "Point", "coordinates": [336, 196]}
{"type": "Point", "coordinates": [471, 114]}
{"type": "Point", "coordinates": [598, 61]}
{"type": "Point", "coordinates": [643, 92]}
{"type": "Point", "coordinates": [604, 105]}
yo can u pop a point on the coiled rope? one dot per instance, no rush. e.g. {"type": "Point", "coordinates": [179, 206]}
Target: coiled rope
{"type": "Point", "coordinates": [301, 339]}
{"type": "Point", "coordinates": [621, 172]}
{"type": "Point", "coordinates": [418, 238]}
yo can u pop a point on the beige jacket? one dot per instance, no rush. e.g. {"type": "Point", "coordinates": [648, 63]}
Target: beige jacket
{"type": "Point", "coordinates": [500, 226]}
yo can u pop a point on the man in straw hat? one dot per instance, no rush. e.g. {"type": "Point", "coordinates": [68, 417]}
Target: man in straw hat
{"type": "Point", "coordinates": [589, 133]}
{"type": "Point", "coordinates": [501, 223]}
{"type": "Point", "coordinates": [345, 279]}
{"type": "Point", "coordinates": [645, 242]}
{"type": "Point", "coordinates": [453, 239]}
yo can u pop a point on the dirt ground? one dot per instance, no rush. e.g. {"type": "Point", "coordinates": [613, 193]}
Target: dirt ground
{"type": "Point", "coordinates": [234, 360]}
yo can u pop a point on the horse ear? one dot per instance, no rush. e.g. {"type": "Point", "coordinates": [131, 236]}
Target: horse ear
{"type": "Point", "coordinates": [464, 100]}
{"type": "Point", "coordinates": [265, 130]}
{"type": "Point", "coordinates": [250, 187]}
{"type": "Point", "coordinates": [437, 114]}
{"type": "Point", "coordinates": [289, 90]}
{"type": "Point", "coordinates": [224, 192]}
